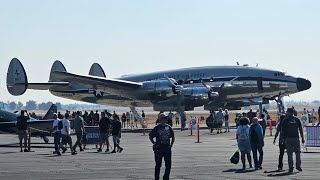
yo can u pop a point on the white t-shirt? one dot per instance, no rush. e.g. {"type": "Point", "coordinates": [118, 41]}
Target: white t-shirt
{"type": "Point", "coordinates": [66, 123]}
{"type": "Point", "coordinates": [55, 124]}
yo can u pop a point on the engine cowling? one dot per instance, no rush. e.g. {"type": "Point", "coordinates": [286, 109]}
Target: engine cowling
{"type": "Point", "coordinates": [200, 92]}
{"type": "Point", "coordinates": [161, 86]}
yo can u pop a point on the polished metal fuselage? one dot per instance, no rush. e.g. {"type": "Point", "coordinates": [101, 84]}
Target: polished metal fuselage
{"type": "Point", "coordinates": [241, 83]}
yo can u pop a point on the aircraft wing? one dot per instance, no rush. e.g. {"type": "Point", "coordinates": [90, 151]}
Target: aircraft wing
{"type": "Point", "coordinates": [111, 86]}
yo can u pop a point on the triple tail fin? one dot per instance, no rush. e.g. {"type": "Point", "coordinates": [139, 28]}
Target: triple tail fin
{"type": "Point", "coordinates": [17, 81]}
{"type": "Point", "coordinates": [96, 70]}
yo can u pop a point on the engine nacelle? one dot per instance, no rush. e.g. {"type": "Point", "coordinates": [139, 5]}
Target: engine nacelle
{"type": "Point", "coordinates": [161, 86]}
{"type": "Point", "coordinates": [200, 92]}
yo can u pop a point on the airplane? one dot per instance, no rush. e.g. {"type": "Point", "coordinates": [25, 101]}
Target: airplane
{"type": "Point", "coordinates": [41, 128]}
{"type": "Point", "coordinates": [214, 87]}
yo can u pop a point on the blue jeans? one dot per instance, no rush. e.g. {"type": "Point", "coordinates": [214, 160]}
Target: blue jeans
{"type": "Point", "coordinates": [255, 149]}
{"type": "Point", "coordinates": [57, 137]}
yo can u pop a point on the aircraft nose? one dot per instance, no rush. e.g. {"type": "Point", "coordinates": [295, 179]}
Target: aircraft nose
{"type": "Point", "coordinates": [303, 84]}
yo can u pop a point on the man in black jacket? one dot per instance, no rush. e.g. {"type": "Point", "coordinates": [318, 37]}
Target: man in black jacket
{"type": "Point", "coordinates": [290, 126]}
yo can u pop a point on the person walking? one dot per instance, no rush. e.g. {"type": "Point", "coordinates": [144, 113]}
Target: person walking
{"type": "Point", "coordinates": [116, 135]}
{"type": "Point", "coordinates": [22, 127]}
{"type": "Point", "coordinates": [162, 146]}
{"type": "Point", "coordinates": [282, 146]}
{"type": "Point", "coordinates": [66, 134]}
{"type": "Point", "coordinates": [243, 140]}
{"type": "Point", "coordinates": [256, 142]}
{"type": "Point", "coordinates": [79, 129]}
{"type": "Point", "coordinates": [290, 126]}
{"type": "Point", "coordinates": [104, 130]}
{"type": "Point", "coordinates": [226, 120]}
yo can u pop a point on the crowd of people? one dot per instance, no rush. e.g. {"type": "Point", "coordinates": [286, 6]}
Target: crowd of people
{"type": "Point", "coordinates": [250, 138]}
{"type": "Point", "coordinates": [250, 134]}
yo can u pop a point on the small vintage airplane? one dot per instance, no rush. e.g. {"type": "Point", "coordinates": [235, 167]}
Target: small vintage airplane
{"type": "Point", "coordinates": [228, 87]}
{"type": "Point", "coordinates": [40, 128]}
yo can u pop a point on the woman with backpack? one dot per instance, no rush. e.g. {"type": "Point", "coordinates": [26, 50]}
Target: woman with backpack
{"type": "Point", "coordinates": [257, 142]}
{"type": "Point", "coordinates": [244, 141]}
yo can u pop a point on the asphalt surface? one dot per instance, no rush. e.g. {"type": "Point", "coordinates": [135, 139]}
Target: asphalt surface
{"type": "Point", "coordinates": [190, 160]}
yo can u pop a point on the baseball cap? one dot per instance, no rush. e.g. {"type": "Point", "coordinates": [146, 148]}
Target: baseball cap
{"type": "Point", "coordinates": [162, 116]}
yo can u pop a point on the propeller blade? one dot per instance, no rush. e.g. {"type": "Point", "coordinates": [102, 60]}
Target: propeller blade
{"type": "Point", "coordinates": [171, 82]}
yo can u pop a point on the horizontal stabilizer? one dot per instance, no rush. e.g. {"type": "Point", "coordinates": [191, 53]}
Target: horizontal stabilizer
{"type": "Point", "coordinates": [17, 81]}
{"type": "Point", "coordinates": [96, 70]}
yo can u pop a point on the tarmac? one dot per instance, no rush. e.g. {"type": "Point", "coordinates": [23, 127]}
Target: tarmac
{"type": "Point", "coordinates": [206, 160]}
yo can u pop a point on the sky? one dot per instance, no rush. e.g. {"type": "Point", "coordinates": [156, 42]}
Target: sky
{"type": "Point", "coordinates": [129, 37]}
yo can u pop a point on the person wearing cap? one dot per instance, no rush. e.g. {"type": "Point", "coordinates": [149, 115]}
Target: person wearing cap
{"type": "Point", "coordinates": [256, 142]}
{"type": "Point", "coordinates": [290, 126]}
{"type": "Point", "coordinates": [162, 146]}
{"type": "Point", "coordinates": [78, 127]}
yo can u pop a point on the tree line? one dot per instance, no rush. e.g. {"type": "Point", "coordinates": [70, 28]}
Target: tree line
{"type": "Point", "coordinates": [33, 105]}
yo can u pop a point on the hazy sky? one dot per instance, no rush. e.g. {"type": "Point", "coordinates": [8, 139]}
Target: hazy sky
{"type": "Point", "coordinates": [128, 37]}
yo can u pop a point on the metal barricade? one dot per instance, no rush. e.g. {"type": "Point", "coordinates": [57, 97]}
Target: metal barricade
{"type": "Point", "coordinates": [313, 136]}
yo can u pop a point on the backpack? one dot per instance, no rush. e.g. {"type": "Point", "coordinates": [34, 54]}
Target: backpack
{"type": "Point", "coordinates": [254, 138]}
{"type": "Point", "coordinates": [60, 125]}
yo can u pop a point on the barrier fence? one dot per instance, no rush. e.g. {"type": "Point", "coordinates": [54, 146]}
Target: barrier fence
{"type": "Point", "coordinates": [313, 136]}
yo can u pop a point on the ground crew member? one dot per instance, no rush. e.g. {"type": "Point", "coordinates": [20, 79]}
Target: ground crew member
{"type": "Point", "coordinates": [162, 146]}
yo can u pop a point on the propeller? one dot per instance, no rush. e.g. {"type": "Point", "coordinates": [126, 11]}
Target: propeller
{"type": "Point", "coordinates": [211, 93]}
{"type": "Point", "coordinates": [176, 89]}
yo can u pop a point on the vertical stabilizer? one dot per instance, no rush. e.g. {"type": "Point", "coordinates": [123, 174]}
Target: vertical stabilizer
{"type": "Point", "coordinates": [96, 70]}
{"type": "Point", "coordinates": [51, 111]}
{"type": "Point", "coordinates": [17, 81]}
{"type": "Point", "coordinates": [57, 66]}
